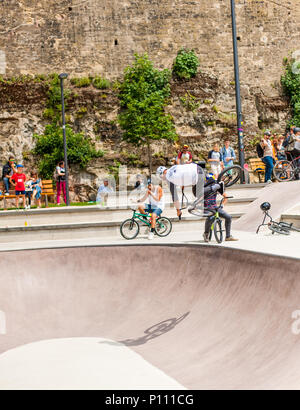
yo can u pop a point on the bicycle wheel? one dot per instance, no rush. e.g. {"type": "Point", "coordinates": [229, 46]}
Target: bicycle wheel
{"type": "Point", "coordinates": [289, 226]}
{"type": "Point", "coordinates": [283, 171]}
{"type": "Point", "coordinates": [163, 226]}
{"type": "Point", "coordinates": [276, 228]}
{"type": "Point", "coordinates": [130, 229]}
{"type": "Point", "coordinates": [231, 175]}
{"type": "Point", "coordinates": [218, 231]}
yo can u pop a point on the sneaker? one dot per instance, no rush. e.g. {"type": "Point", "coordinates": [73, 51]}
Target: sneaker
{"type": "Point", "coordinates": [151, 236]}
{"type": "Point", "coordinates": [206, 237]}
{"type": "Point", "coordinates": [231, 239]}
{"type": "Point", "coordinates": [269, 182]}
{"type": "Point", "coordinates": [6, 194]}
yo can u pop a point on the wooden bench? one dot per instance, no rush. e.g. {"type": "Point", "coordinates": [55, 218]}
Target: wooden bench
{"type": "Point", "coordinates": [47, 190]}
{"type": "Point", "coordinates": [257, 168]}
{"type": "Point", "coordinates": [6, 197]}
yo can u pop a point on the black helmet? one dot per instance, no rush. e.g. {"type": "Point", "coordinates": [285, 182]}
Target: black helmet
{"type": "Point", "coordinates": [266, 206]}
{"type": "Point", "coordinates": [296, 130]}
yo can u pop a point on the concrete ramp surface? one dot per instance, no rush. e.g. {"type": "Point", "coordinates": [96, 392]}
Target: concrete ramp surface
{"type": "Point", "coordinates": [282, 196]}
{"type": "Point", "coordinates": [207, 317]}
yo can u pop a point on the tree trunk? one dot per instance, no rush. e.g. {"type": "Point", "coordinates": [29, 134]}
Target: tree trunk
{"type": "Point", "coordinates": [150, 158]}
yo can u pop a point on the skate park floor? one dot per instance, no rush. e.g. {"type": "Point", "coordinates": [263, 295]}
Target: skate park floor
{"type": "Point", "coordinates": [171, 317]}
{"type": "Point", "coordinates": [171, 313]}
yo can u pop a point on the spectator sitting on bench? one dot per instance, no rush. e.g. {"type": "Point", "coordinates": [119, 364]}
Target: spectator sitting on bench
{"type": "Point", "coordinates": [8, 170]}
{"type": "Point", "coordinates": [18, 180]}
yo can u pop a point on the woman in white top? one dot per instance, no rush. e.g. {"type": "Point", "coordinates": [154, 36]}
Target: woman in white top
{"type": "Point", "coordinates": [155, 204]}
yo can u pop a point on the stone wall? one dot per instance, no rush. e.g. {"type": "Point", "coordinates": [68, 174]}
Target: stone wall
{"type": "Point", "coordinates": [101, 36]}
{"type": "Point", "coordinates": [85, 37]}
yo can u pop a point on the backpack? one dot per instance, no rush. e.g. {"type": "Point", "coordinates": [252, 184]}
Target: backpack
{"type": "Point", "coordinates": [287, 142]}
{"type": "Point", "coordinates": [260, 151]}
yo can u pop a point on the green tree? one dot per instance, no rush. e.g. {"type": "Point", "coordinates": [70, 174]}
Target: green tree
{"type": "Point", "coordinates": [50, 149]}
{"type": "Point", "coordinates": [143, 95]}
{"type": "Point", "coordinates": [186, 64]}
{"type": "Point", "coordinates": [290, 81]}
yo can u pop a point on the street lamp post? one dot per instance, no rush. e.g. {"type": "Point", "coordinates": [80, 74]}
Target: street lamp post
{"type": "Point", "coordinates": [237, 89]}
{"type": "Point", "coordinates": [62, 77]}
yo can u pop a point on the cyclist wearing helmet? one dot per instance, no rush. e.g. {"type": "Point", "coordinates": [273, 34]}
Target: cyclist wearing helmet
{"type": "Point", "coordinates": [183, 176]}
{"type": "Point", "coordinates": [212, 189]}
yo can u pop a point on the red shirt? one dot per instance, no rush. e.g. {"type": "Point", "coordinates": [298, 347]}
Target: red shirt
{"type": "Point", "coordinates": [19, 180]}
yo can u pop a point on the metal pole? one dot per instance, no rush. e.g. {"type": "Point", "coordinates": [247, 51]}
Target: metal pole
{"type": "Point", "coordinates": [237, 89]}
{"type": "Point", "coordinates": [62, 77]}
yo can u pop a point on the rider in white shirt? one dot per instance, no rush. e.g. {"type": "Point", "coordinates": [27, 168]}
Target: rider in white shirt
{"type": "Point", "coordinates": [183, 176]}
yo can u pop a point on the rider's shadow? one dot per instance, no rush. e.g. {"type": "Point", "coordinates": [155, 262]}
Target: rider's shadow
{"type": "Point", "coordinates": [152, 332]}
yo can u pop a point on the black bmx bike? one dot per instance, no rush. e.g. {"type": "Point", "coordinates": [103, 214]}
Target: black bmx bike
{"type": "Point", "coordinates": [217, 224]}
{"type": "Point", "coordinates": [229, 176]}
{"type": "Point", "coordinates": [286, 170]}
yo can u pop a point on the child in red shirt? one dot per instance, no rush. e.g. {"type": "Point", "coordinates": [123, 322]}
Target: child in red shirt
{"type": "Point", "coordinates": [18, 180]}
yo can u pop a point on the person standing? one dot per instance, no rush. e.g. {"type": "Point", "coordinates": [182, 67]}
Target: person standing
{"type": "Point", "coordinates": [18, 180]}
{"type": "Point", "coordinates": [8, 170]}
{"type": "Point", "coordinates": [268, 157]}
{"type": "Point", "coordinates": [215, 159]}
{"type": "Point", "coordinates": [61, 182]}
{"type": "Point", "coordinates": [228, 154]}
{"type": "Point", "coordinates": [184, 156]}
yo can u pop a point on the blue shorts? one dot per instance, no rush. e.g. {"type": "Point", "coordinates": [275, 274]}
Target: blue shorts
{"type": "Point", "coordinates": [20, 193]}
{"type": "Point", "coordinates": [153, 210]}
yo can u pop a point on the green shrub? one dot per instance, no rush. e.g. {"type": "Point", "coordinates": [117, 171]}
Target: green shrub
{"type": "Point", "coordinates": [101, 83]}
{"type": "Point", "coordinates": [81, 82]}
{"type": "Point", "coordinates": [186, 64]}
{"type": "Point", "coordinates": [290, 82]}
{"type": "Point", "coordinates": [50, 149]}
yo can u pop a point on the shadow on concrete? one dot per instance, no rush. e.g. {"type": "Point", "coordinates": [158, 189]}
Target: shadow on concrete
{"type": "Point", "coordinates": [151, 333]}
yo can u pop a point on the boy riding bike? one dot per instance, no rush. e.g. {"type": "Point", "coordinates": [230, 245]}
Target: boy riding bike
{"type": "Point", "coordinates": [155, 205]}
{"type": "Point", "coordinates": [210, 205]}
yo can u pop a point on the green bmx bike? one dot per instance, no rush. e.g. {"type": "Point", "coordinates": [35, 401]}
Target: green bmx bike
{"type": "Point", "coordinates": [131, 227]}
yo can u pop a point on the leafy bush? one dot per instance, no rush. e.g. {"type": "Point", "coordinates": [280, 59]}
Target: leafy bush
{"type": "Point", "coordinates": [101, 83]}
{"type": "Point", "coordinates": [290, 81]}
{"type": "Point", "coordinates": [50, 149]}
{"type": "Point", "coordinates": [186, 64]}
{"type": "Point", "coordinates": [81, 82]}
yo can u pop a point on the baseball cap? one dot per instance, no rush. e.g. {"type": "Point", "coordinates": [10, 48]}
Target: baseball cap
{"type": "Point", "coordinates": [267, 132]}
{"type": "Point", "coordinates": [20, 166]}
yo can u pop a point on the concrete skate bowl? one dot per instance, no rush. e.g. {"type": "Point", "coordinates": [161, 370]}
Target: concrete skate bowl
{"type": "Point", "coordinates": [209, 317]}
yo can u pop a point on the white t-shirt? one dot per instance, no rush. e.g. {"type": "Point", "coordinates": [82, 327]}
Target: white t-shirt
{"type": "Point", "coordinates": [157, 204]}
{"type": "Point", "coordinates": [183, 175]}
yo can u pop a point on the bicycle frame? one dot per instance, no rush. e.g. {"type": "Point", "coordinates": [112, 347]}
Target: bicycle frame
{"type": "Point", "coordinates": [141, 217]}
{"type": "Point", "coordinates": [294, 162]}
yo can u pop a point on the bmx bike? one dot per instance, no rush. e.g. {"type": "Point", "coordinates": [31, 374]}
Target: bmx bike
{"type": "Point", "coordinates": [285, 170]}
{"type": "Point", "coordinates": [130, 228]}
{"type": "Point", "coordinates": [229, 176]}
{"type": "Point", "coordinates": [217, 224]}
{"type": "Point", "coordinates": [282, 228]}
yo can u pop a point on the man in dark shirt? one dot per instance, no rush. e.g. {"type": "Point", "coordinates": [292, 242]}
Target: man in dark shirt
{"type": "Point", "coordinates": [8, 170]}
{"type": "Point", "coordinates": [211, 191]}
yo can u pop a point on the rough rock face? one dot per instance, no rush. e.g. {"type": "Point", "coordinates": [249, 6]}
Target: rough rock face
{"type": "Point", "coordinates": [101, 36]}
{"type": "Point", "coordinates": [203, 110]}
